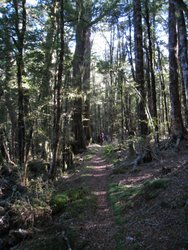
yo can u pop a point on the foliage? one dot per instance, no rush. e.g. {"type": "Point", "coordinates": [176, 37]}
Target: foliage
{"type": "Point", "coordinates": [110, 153]}
{"type": "Point", "coordinates": [108, 149]}
{"type": "Point", "coordinates": [31, 207]}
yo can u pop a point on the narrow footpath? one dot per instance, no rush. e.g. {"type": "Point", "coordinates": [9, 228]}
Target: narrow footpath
{"type": "Point", "coordinates": [100, 229]}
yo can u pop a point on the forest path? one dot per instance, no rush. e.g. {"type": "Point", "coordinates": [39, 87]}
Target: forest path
{"type": "Point", "coordinates": [98, 229]}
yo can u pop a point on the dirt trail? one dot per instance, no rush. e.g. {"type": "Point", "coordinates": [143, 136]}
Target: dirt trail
{"type": "Point", "coordinates": [99, 230]}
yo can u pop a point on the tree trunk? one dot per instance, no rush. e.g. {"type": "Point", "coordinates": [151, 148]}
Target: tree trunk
{"type": "Point", "coordinates": [177, 127]}
{"type": "Point", "coordinates": [57, 96]}
{"type": "Point", "coordinates": [183, 56]}
{"type": "Point", "coordinates": [20, 27]}
{"type": "Point", "coordinates": [143, 126]}
{"type": "Point", "coordinates": [162, 82]}
{"type": "Point", "coordinates": [86, 86]}
{"type": "Point", "coordinates": [82, 30]}
{"type": "Point", "coordinates": [151, 71]}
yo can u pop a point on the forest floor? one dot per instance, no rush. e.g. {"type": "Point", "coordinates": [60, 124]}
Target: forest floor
{"type": "Point", "coordinates": [134, 210]}
{"type": "Point", "coordinates": [95, 207]}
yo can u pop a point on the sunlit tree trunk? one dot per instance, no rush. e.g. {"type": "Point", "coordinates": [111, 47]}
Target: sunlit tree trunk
{"type": "Point", "coordinates": [57, 96]}
{"type": "Point", "coordinates": [86, 86]}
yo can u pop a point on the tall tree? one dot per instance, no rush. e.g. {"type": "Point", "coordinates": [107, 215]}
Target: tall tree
{"type": "Point", "coordinates": [85, 11]}
{"type": "Point", "coordinates": [58, 95]}
{"type": "Point", "coordinates": [86, 84]}
{"type": "Point", "coordinates": [151, 73]}
{"type": "Point", "coordinates": [183, 54]}
{"type": "Point", "coordinates": [139, 67]}
{"type": "Point", "coordinates": [20, 30]}
{"type": "Point", "coordinates": [78, 73]}
{"type": "Point", "coordinates": [177, 127]}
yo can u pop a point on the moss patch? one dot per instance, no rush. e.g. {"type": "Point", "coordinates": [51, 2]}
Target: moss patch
{"type": "Point", "coordinates": [124, 197]}
{"type": "Point", "coordinates": [74, 202]}
{"type": "Point", "coordinates": [151, 189]}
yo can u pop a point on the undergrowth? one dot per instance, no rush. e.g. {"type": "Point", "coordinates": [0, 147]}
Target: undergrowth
{"type": "Point", "coordinates": [110, 153]}
{"type": "Point", "coordinates": [124, 197]}
{"type": "Point", "coordinates": [73, 202]}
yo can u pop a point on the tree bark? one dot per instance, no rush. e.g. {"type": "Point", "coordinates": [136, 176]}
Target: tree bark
{"type": "Point", "coordinates": [177, 127]}
{"type": "Point", "coordinates": [86, 86]}
{"type": "Point", "coordinates": [57, 96]}
{"type": "Point", "coordinates": [143, 126]}
{"type": "Point", "coordinates": [151, 71]}
{"type": "Point", "coordinates": [183, 55]}
{"type": "Point", "coordinates": [82, 29]}
{"type": "Point", "coordinates": [20, 28]}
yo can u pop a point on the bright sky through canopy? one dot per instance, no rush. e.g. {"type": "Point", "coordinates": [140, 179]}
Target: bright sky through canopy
{"type": "Point", "coordinates": [31, 2]}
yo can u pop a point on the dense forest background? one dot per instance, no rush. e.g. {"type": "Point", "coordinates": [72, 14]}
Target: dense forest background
{"type": "Point", "coordinates": [57, 93]}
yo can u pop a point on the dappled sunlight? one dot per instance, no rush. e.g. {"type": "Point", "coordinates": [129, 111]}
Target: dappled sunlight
{"type": "Point", "coordinates": [86, 175]}
{"type": "Point", "coordinates": [94, 145]}
{"type": "Point", "coordinates": [134, 180]}
{"type": "Point", "coordinates": [99, 193]}
{"type": "Point", "coordinates": [98, 161]}
{"type": "Point", "coordinates": [98, 175]}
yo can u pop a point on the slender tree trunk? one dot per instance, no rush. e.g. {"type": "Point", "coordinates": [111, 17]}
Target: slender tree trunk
{"type": "Point", "coordinates": [86, 86]}
{"type": "Point", "coordinates": [65, 119]}
{"type": "Point", "coordinates": [57, 96]}
{"type": "Point", "coordinates": [45, 88]}
{"type": "Point", "coordinates": [143, 126]}
{"type": "Point", "coordinates": [151, 71]}
{"type": "Point", "coordinates": [177, 128]}
{"type": "Point", "coordinates": [8, 101]}
{"type": "Point", "coordinates": [130, 46]}
{"type": "Point", "coordinates": [162, 82]}
{"type": "Point", "coordinates": [20, 27]}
